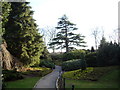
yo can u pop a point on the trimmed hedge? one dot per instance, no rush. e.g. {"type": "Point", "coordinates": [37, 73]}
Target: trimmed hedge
{"type": "Point", "coordinates": [74, 65]}
{"type": "Point", "coordinates": [75, 54]}
{"type": "Point", "coordinates": [91, 59]}
{"type": "Point", "coordinates": [47, 63]}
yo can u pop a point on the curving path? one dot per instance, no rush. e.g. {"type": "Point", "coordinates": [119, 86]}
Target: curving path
{"type": "Point", "coordinates": [49, 80]}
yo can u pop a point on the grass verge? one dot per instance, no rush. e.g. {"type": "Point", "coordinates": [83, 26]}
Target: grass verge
{"type": "Point", "coordinates": [30, 77]}
{"type": "Point", "coordinates": [108, 79]}
{"type": "Point", "coordinates": [24, 83]}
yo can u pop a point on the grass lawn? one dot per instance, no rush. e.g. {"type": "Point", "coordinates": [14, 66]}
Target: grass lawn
{"type": "Point", "coordinates": [31, 76]}
{"type": "Point", "coordinates": [109, 80]}
{"type": "Point", "coordinates": [23, 83]}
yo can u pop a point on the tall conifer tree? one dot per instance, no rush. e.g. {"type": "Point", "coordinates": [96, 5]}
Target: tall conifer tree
{"type": "Point", "coordinates": [5, 8]}
{"type": "Point", "coordinates": [22, 35]}
{"type": "Point", "coordinates": [66, 38]}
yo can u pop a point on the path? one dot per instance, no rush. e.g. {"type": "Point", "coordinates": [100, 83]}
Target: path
{"type": "Point", "coordinates": [49, 80]}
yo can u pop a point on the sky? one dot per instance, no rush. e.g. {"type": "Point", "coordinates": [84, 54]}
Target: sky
{"type": "Point", "coordinates": [86, 14]}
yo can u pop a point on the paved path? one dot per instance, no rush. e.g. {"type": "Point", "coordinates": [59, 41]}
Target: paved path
{"type": "Point", "coordinates": [49, 80]}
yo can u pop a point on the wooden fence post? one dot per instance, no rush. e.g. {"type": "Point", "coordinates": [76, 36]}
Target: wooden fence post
{"type": "Point", "coordinates": [64, 83]}
{"type": "Point", "coordinates": [73, 87]}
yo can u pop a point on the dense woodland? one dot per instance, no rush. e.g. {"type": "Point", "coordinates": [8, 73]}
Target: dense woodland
{"type": "Point", "coordinates": [25, 46]}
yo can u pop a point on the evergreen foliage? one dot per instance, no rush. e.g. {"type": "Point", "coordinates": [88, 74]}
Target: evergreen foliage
{"type": "Point", "coordinates": [74, 65]}
{"type": "Point", "coordinates": [65, 38]}
{"type": "Point", "coordinates": [108, 53]}
{"type": "Point", "coordinates": [91, 59]}
{"type": "Point", "coordinates": [21, 34]}
{"type": "Point", "coordinates": [92, 49]}
{"type": "Point", "coordinates": [75, 54]}
{"type": "Point", "coordinates": [5, 9]}
{"type": "Point", "coordinates": [45, 54]}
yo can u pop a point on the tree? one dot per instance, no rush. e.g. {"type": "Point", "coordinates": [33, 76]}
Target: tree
{"type": "Point", "coordinates": [92, 49]}
{"type": "Point", "coordinates": [95, 33]}
{"type": "Point", "coordinates": [65, 38]}
{"type": "Point", "coordinates": [114, 37]}
{"type": "Point", "coordinates": [102, 42]}
{"type": "Point", "coordinates": [108, 53]}
{"type": "Point", "coordinates": [48, 34]}
{"type": "Point", "coordinates": [21, 34]}
{"type": "Point", "coordinates": [5, 9]}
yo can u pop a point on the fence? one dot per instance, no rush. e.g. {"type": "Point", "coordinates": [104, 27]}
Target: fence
{"type": "Point", "coordinates": [60, 84]}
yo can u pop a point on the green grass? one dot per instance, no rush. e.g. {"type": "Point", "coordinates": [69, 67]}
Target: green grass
{"type": "Point", "coordinates": [31, 76]}
{"type": "Point", "coordinates": [108, 80]}
{"type": "Point", "coordinates": [91, 73]}
{"type": "Point", "coordinates": [23, 83]}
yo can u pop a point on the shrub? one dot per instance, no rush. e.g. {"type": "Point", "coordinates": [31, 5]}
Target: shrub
{"type": "Point", "coordinates": [47, 63]}
{"type": "Point", "coordinates": [91, 59]}
{"type": "Point", "coordinates": [75, 54]}
{"type": "Point", "coordinates": [73, 65]}
{"type": "Point", "coordinates": [56, 56]}
{"type": "Point", "coordinates": [10, 75]}
{"type": "Point", "coordinates": [37, 71]}
{"type": "Point", "coordinates": [108, 54]}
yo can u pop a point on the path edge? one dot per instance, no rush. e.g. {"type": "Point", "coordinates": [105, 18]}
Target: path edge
{"type": "Point", "coordinates": [40, 79]}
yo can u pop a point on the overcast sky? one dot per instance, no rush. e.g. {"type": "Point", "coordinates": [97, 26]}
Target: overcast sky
{"type": "Point", "coordinates": [87, 14]}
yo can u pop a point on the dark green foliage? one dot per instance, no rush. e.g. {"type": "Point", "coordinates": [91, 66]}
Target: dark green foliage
{"type": "Point", "coordinates": [5, 9]}
{"type": "Point", "coordinates": [45, 54]}
{"type": "Point", "coordinates": [108, 54]}
{"type": "Point", "coordinates": [47, 63]}
{"type": "Point", "coordinates": [75, 54]}
{"type": "Point", "coordinates": [56, 56]}
{"type": "Point", "coordinates": [92, 49]}
{"type": "Point", "coordinates": [73, 65]}
{"type": "Point", "coordinates": [10, 75]}
{"type": "Point", "coordinates": [83, 65]}
{"type": "Point", "coordinates": [65, 38]}
{"type": "Point", "coordinates": [21, 34]}
{"type": "Point", "coordinates": [91, 59]}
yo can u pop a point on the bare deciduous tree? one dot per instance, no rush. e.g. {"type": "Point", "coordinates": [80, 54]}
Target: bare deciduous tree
{"type": "Point", "coordinates": [96, 34]}
{"type": "Point", "coordinates": [48, 34]}
{"type": "Point", "coordinates": [114, 36]}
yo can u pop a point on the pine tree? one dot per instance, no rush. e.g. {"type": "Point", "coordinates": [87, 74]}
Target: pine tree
{"type": "Point", "coordinates": [92, 49]}
{"type": "Point", "coordinates": [22, 35]}
{"type": "Point", "coordinates": [65, 38]}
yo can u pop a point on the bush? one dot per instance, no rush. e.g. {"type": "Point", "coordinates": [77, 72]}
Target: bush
{"type": "Point", "coordinates": [37, 71]}
{"type": "Point", "coordinates": [47, 63]}
{"type": "Point", "coordinates": [10, 75]}
{"type": "Point", "coordinates": [56, 56]}
{"type": "Point", "coordinates": [108, 54]}
{"type": "Point", "coordinates": [75, 54]}
{"type": "Point", "coordinates": [73, 65]}
{"type": "Point", "coordinates": [91, 59]}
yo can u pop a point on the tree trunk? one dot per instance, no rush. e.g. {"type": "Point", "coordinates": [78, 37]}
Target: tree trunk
{"type": "Point", "coordinates": [7, 60]}
{"type": "Point", "coordinates": [66, 40]}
